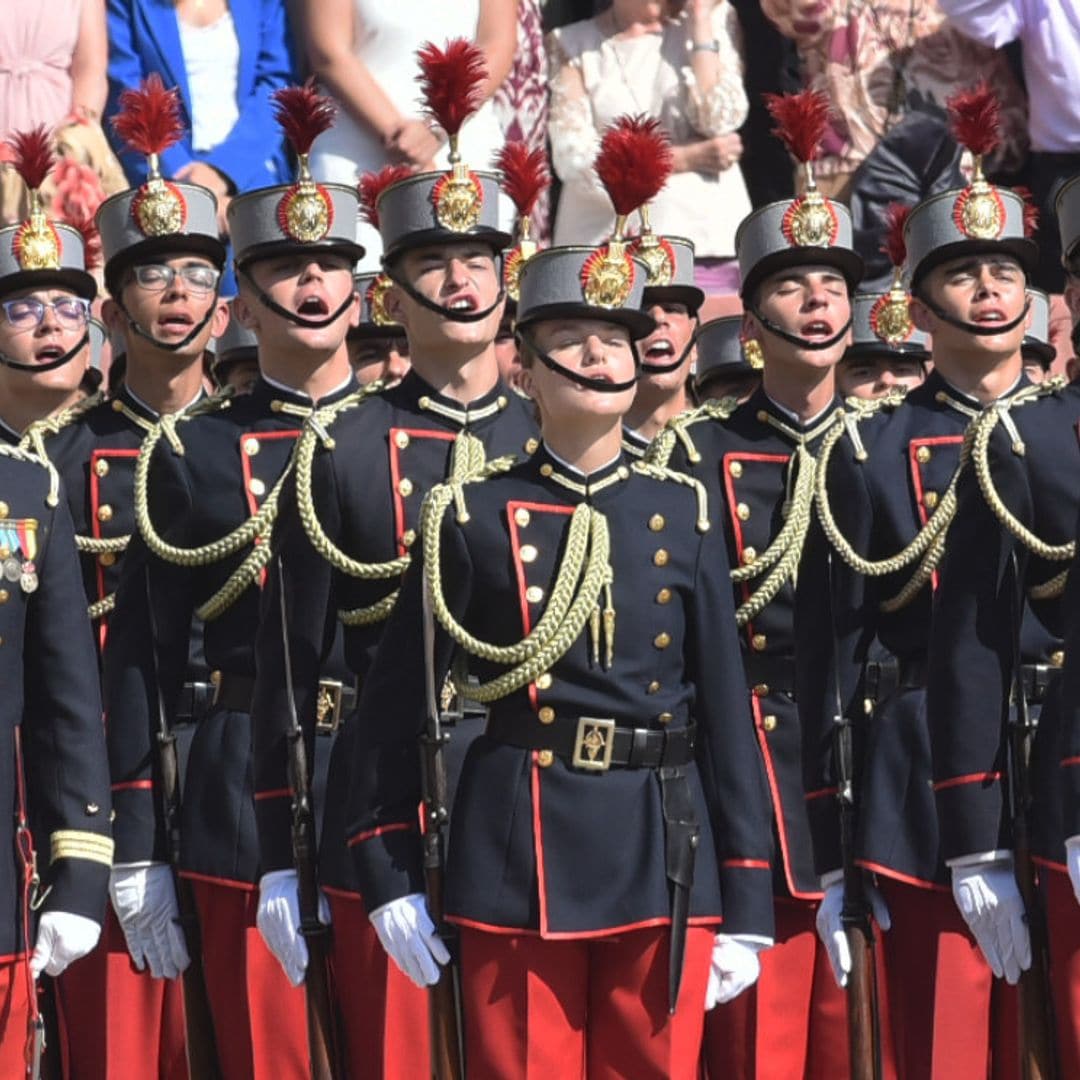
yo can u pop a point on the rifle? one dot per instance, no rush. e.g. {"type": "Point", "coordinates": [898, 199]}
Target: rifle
{"type": "Point", "coordinates": [1038, 1050]}
{"type": "Point", "coordinates": [444, 998]}
{"type": "Point", "coordinates": [324, 1045]}
{"type": "Point", "coordinates": [864, 1039]}
{"type": "Point", "coordinates": [199, 1025]}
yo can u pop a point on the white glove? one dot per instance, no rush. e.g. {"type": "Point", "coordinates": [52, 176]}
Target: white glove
{"type": "Point", "coordinates": [278, 920]}
{"type": "Point", "coordinates": [144, 898]}
{"type": "Point", "coordinates": [831, 930]}
{"type": "Point", "coordinates": [735, 967]}
{"type": "Point", "coordinates": [1072, 858]}
{"type": "Point", "coordinates": [989, 899]}
{"type": "Point", "coordinates": [408, 935]}
{"type": "Point", "coordinates": [61, 938]}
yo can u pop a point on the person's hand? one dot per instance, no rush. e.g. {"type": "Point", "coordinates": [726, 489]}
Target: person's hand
{"type": "Point", "coordinates": [144, 899]}
{"type": "Point", "coordinates": [408, 935]}
{"type": "Point", "coordinates": [414, 142]}
{"type": "Point", "coordinates": [989, 899]}
{"type": "Point", "coordinates": [278, 920]}
{"type": "Point", "coordinates": [198, 172]}
{"type": "Point", "coordinates": [1072, 858]}
{"type": "Point", "coordinates": [719, 153]}
{"type": "Point", "coordinates": [831, 930]}
{"type": "Point", "coordinates": [62, 938]}
{"type": "Point", "coordinates": [734, 967]}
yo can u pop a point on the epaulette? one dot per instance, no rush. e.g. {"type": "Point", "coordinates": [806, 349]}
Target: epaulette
{"type": "Point", "coordinates": [20, 453]}
{"type": "Point", "coordinates": [665, 474]}
{"type": "Point", "coordinates": [676, 430]}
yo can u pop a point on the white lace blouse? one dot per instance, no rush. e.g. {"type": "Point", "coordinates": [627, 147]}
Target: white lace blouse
{"type": "Point", "coordinates": [649, 74]}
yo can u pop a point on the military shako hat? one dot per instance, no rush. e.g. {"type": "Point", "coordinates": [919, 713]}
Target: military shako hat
{"type": "Point", "coordinates": [721, 351]}
{"type": "Point", "coordinates": [236, 343]}
{"type": "Point", "coordinates": [1036, 342]}
{"type": "Point", "coordinates": [161, 217]}
{"type": "Point", "coordinates": [1067, 211]}
{"type": "Point", "coordinates": [375, 320]}
{"type": "Point", "coordinates": [670, 262]}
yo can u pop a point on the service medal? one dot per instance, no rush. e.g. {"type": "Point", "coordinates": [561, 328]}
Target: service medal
{"type": "Point", "coordinates": [12, 569]}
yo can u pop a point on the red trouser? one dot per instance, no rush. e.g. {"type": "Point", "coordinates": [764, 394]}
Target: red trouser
{"type": "Point", "coordinates": [117, 1022]}
{"type": "Point", "coordinates": [260, 1018]}
{"type": "Point", "coordinates": [14, 1017]}
{"type": "Point", "coordinates": [1063, 931]}
{"type": "Point", "coordinates": [384, 1015]}
{"type": "Point", "coordinates": [539, 1009]}
{"type": "Point", "coordinates": [793, 1023]}
{"type": "Point", "coordinates": [950, 1017]}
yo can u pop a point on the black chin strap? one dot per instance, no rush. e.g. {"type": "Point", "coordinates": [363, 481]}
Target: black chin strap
{"type": "Point", "coordinates": [439, 309]}
{"type": "Point", "coordinates": [979, 329]}
{"type": "Point", "coordinates": [292, 316]}
{"type": "Point", "coordinates": [664, 369]}
{"type": "Point", "coordinates": [794, 339]}
{"type": "Point", "coordinates": [600, 385]}
{"type": "Point", "coordinates": [52, 365]}
{"type": "Point", "coordinates": [168, 346]}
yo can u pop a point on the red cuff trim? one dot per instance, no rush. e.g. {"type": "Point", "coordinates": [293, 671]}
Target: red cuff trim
{"type": "Point", "coordinates": [370, 834]}
{"type": "Point", "coordinates": [746, 864]}
{"type": "Point", "coordinates": [1069, 761]}
{"type": "Point", "coordinates": [821, 793]}
{"type": "Point", "coordinates": [274, 793]}
{"type": "Point", "coordinates": [971, 778]}
{"type": "Point", "coordinates": [134, 785]}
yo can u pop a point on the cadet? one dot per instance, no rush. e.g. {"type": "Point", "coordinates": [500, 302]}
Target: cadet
{"type": "Point", "coordinates": [668, 353]}
{"type": "Point", "coordinates": [236, 357]}
{"type": "Point", "coordinates": [349, 520]}
{"type": "Point", "coordinates": [206, 495]}
{"type": "Point", "coordinates": [757, 461]}
{"type": "Point", "coordinates": [881, 359]}
{"type": "Point", "coordinates": [590, 606]}
{"type": "Point", "coordinates": [1037, 351]}
{"type": "Point", "coordinates": [725, 366]}
{"type": "Point", "coordinates": [886, 498]}
{"type": "Point", "coordinates": [378, 347]}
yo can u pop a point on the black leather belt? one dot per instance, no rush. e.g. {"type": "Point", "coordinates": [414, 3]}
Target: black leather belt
{"type": "Point", "coordinates": [334, 701]}
{"type": "Point", "coordinates": [1036, 680]}
{"type": "Point", "coordinates": [775, 672]}
{"type": "Point", "coordinates": [888, 674]}
{"type": "Point", "coordinates": [196, 700]}
{"type": "Point", "coordinates": [595, 743]}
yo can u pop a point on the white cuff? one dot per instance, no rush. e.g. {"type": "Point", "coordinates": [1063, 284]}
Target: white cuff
{"type": "Point", "coordinates": [1004, 855]}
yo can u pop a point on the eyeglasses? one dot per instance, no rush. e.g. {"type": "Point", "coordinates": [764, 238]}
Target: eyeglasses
{"type": "Point", "coordinates": [71, 312]}
{"type": "Point", "coordinates": [154, 277]}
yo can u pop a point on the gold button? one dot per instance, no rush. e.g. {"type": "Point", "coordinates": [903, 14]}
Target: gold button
{"type": "Point", "coordinates": [749, 554]}
{"type": "Point", "coordinates": [1057, 658]}
{"type": "Point", "coordinates": [534, 594]}
{"type": "Point", "coordinates": [656, 522]}
{"type": "Point", "coordinates": [101, 467]}
{"type": "Point", "coordinates": [742, 512]}
{"type": "Point", "coordinates": [758, 642]}
{"type": "Point", "coordinates": [405, 487]}
{"type": "Point", "coordinates": [256, 486]}
{"type": "Point", "coordinates": [761, 690]}
{"type": "Point", "coordinates": [546, 469]}
{"type": "Point", "coordinates": [3, 509]}
{"type": "Point", "coordinates": [104, 513]}
{"type": "Point", "coordinates": [930, 500]}
{"type": "Point", "coordinates": [401, 439]}
{"type": "Point", "coordinates": [622, 472]}
{"type": "Point", "coordinates": [660, 558]}
{"type": "Point", "coordinates": [276, 406]}
{"type": "Point", "coordinates": [522, 516]}
{"type": "Point", "coordinates": [663, 596]}
{"type": "Point", "coordinates": [769, 722]}
{"type": "Point", "coordinates": [763, 416]}
{"type": "Point", "coordinates": [654, 687]}
{"type": "Point", "coordinates": [532, 445]}
{"type": "Point", "coordinates": [528, 553]}
{"type": "Point", "coordinates": [424, 402]}
{"type": "Point", "coordinates": [117, 405]}
{"type": "Point", "coordinates": [107, 558]}
{"type": "Point", "coordinates": [662, 640]}
{"type": "Point", "coordinates": [3, 596]}
{"type": "Point", "coordinates": [735, 468]}
{"type": "Point", "coordinates": [546, 715]}
{"type": "Point", "coordinates": [502, 401]}
{"type": "Point", "coordinates": [544, 758]}
{"type": "Point", "coordinates": [923, 455]}
{"type": "Point", "coordinates": [665, 718]}
{"type": "Point", "coordinates": [251, 447]}
{"type": "Point", "coordinates": [543, 681]}
{"type": "Point", "coordinates": [408, 538]}
{"type": "Point", "coordinates": [5, 552]}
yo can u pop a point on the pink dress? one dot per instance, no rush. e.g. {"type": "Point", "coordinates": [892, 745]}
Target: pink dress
{"type": "Point", "coordinates": [37, 41]}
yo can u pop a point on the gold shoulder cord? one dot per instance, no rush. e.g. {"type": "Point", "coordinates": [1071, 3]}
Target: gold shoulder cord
{"type": "Point", "coordinates": [675, 431]}
{"type": "Point", "coordinates": [1000, 412]}
{"type": "Point", "coordinates": [928, 543]}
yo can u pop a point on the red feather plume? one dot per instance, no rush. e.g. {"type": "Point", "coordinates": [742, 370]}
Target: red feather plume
{"type": "Point", "coordinates": [33, 156]}
{"type": "Point", "coordinates": [634, 162]}
{"type": "Point", "coordinates": [1031, 211]}
{"type": "Point", "coordinates": [801, 120]}
{"type": "Point", "coordinates": [893, 243]}
{"type": "Point", "coordinates": [452, 82]}
{"type": "Point", "coordinates": [303, 113]}
{"type": "Point", "coordinates": [975, 118]}
{"type": "Point", "coordinates": [149, 118]}
{"type": "Point", "coordinates": [525, 174]}
{"type": "Point", "coordinates": [373, 184]}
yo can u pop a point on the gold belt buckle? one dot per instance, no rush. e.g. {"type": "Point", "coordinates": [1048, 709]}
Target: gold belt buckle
{"type": "Point", "coordinates": [328, 706]}
{"type": "Point", "coordinates": [594, 744]}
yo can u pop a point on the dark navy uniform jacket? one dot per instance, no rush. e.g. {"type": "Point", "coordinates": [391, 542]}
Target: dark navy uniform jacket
{"type": "Point", "coordinates": [537, 844]}
{"type": "Point", "coordinates": [367, 490]}
{"type": "Point", "coordinates": [232, 458]}
{"type": "Point", "coordinates": [879, 502]}
{"type": "Point", "coordinates": [973, 650]}
{"type": "Point", "coordinates": [746, 464]}
{"type": "Point", "coordinates": [49, 675]}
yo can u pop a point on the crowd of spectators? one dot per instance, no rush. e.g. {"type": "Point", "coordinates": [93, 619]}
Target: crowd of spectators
{"type": "Point", "coordinates": [558, 71]}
